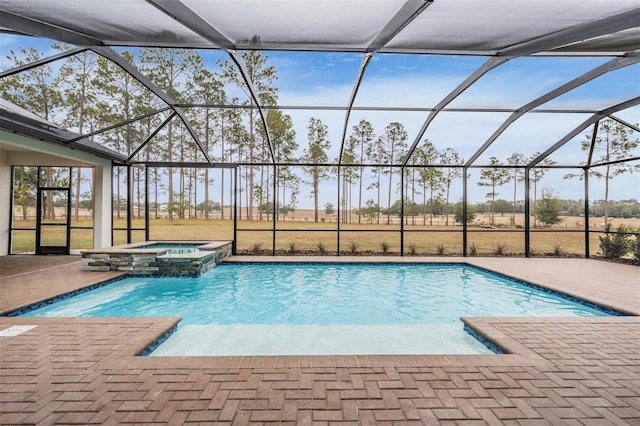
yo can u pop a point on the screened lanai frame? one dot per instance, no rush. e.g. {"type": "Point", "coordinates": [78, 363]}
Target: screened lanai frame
{"type": "Point", "coordinates": [394, 26]}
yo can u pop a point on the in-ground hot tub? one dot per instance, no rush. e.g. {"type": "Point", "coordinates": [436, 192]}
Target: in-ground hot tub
{"type": "Point", "coordinates": [172, 258]}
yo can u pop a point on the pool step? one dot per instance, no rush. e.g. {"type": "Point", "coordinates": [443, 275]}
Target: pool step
{"type": "Point", "coordinates": [282, 339]}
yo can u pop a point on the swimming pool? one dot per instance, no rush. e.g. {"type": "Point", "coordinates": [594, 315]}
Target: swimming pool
{"type": "Point", "coordinates": [271, 302]}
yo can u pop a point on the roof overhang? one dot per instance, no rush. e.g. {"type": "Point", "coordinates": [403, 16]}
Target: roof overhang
{"type": "Point", "coordinates": [17, 120]}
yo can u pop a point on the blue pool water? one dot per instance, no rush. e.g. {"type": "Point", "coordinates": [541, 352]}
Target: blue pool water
{"type": "Point", "coordinates": [273, 300]}
{"type": "Point", "coordinates": [321, 294]}
{"type": "Point", "coordinates": [173, 247]}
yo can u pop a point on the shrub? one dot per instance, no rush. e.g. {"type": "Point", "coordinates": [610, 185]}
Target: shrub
{"type": "Point", "coordinates": [413, 250]}
{"type": "Point", "coordinates": [458, 215]}
{"type": "Point", "coordinates": [557, 250]}
{"type": "Point", "coordinates": [500, 250]}
{"type": "Point", "coordinates": [322, 248]}
{"type": "Point", "coordinates": [615, 244]}
{"type": "Point", "coordinates": [353, 247]}
{"type": "Point", "coordinates": [473, 250]}
{"type": "Point", "coordinates": [292, 247]}
{"type": "Point", "coordinates": [385, 247]}
{"type": "Point", "coordinates": [440, 249]}
{"type": "Point", "coordinates": [635, 247]}
{"type": "Point", "coordinates": [255, 249]}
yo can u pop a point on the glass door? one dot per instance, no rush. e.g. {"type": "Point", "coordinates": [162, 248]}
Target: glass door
{"type": "Point", "coordinates": [52, 235]}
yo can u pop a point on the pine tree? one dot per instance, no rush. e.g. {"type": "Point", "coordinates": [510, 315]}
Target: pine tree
{"type": "Point", "coordinates": [349, 173]}
{"type": "Point", "coordinates": [548, 210]}
{"type": "Point", "coordinates": [449, 157]}
{"type": "Point", "coordinates": [429, 177]}
{"type": "Point", "coordinates": [283, 137]}
{"type": "Point", "coordinates": [316, 153]}
{"type": "Point", "coordinates": [79, 92]}
{"type": "Point", "coordinates": [536, 176]}
{"type": "Point", "coordinates": [168, 69]}
{"type": "Point", "coordinates": [613, 143]}
{"type": "Point", "coordinates": [376, 154]}
{"type": "Point", "coordinates": [393, 144]}
{"type": "Point", "coordinates": [516, 176]}
{"type": "Point", "coordinates": [207, 89]}
{"type": "Point", "coordinates": [493, 177]}
{"type": "Point", "coordinates": [360, 144]}
{"type": "Point", "coordinates": [262, 76]}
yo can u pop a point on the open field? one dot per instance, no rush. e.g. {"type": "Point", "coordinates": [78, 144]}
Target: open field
{"type": "Point", "coordinates": [306, 217]}
{"type": "Point", "coordinates": [304, 236]}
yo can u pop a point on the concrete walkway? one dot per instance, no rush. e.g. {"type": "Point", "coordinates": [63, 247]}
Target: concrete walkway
{"type": "Point", "coordinates": [556, 371]}
{"type": "Point", "coordinates": [27, 279]}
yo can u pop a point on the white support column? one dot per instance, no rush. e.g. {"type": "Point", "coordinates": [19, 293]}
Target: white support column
{"type": "Point", "coordinates": [102, 209]}
{"type": "Point", "coordinates": [5, 201]}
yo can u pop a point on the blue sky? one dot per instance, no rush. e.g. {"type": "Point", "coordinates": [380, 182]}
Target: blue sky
{"type": "Point", "coordinates": [393, 80]}
{"type": "Point", "coordinates": [419, 81]}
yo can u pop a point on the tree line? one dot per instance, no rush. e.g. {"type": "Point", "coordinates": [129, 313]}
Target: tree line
{"type": "Point", "coordinates": [87, 93]}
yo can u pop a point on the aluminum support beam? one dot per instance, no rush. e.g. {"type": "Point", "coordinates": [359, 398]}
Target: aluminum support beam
{"type": "Point", "coordinates": [588, 122]}
{"type": "Point", "coordinates": [129, 204]}
{"type": "Point", "coordinates": [609, 25]}
{"type": "Point", "coordinates": [147, 207]}
{"type": "Point", "coordinates": [385, 108]}
{"type": "Point", "coordinates": [254, 95]}
{"type": "Point", "coordinates": [148, 138]}
{"type": "Point", "coordinates": [614, 64]}
{"type": "Point", "coordinates": [527, 212]}
{"type": "Point", "coordinates": [41, 29]}
{"type": "Point", "coordinates": [610, 163]}
{"type": "Point", "coordinates": [187, 17]}
{"type": "Point", "coordinates": [586, 214]}
{"type": "Point", "coordinates": [592, 145]}
{"type": "Point", "coordinates": [121, 123]}
{"type": "Point", "coordinates": [490, 64]}
{"type": "Point", "coordinates": [625, 123]}
{"type": "Point", "coordinates": [187, 164]}
{"type": "Point", "coordinates": [113, 56]}
{"type": "Point", "coordinates": [43, 61]}
{"type": "Point", "coordinates": [407, 13]}
{"type": "Point", "coordinates": [191, 20]}
{"type": "Point", "coordinates": [572, 35]}
{"type": "Point", "coordinates": [465, 209]}
{"type": "Point", "coordinates": [363, 66]}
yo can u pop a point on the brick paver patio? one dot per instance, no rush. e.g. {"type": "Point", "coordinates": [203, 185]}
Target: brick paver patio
{"type": "Point", "coordinates": [557, 371]}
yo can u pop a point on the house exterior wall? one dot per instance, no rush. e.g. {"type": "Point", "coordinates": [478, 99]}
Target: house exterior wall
{"type": "Point", "coordinates": [19, 150]}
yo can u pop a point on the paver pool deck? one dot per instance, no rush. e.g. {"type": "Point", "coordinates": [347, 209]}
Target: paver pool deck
{"type": "Point", "coordinates": [557, 370]}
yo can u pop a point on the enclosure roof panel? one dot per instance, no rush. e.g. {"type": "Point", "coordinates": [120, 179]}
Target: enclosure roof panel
{"type": "Point", "coordinates": [491, 27]}
{"type": "Point", "coordinates": [494, 26]}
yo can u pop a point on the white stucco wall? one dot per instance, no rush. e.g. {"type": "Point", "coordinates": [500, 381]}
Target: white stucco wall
{"type": "Point", "coordinates": [18, 150]}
